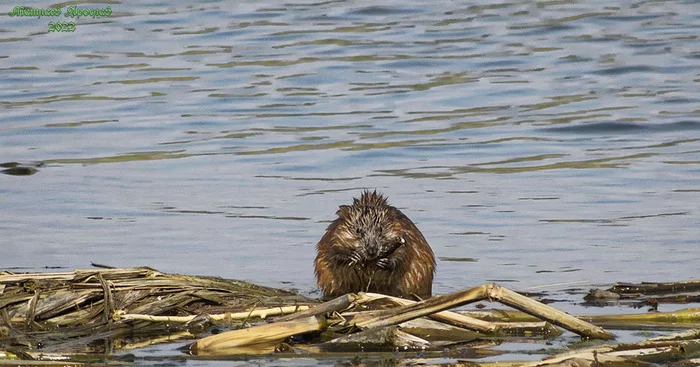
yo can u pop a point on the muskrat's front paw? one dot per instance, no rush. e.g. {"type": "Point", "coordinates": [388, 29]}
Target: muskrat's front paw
{"type": "Point", "coordinates": [384, 263]}
{"type": "Point", "coordinates": [355, 258]}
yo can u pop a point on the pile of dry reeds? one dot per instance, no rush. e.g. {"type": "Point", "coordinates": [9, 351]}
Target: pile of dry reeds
{"type": "Point", "coordinates": [78, 310]}
{"type": "Point", "coordinates": [96, 311]}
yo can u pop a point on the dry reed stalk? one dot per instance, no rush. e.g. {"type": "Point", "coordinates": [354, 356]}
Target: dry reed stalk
{"type": "Point", "coordinates": [157, 340]}
{"type": "Point", "coordinates": [499, 315]}
{"type": "Point", "coordinates": [547, 313]}
{"type": "Point", "coordinates": [378, 339]}
{"type": "Point", "coordinates": [487, 291]}
{"type": "Point", "coordinates": [644, 351]}
{"type": "Point", "coordinates": [438, 331]}
{"type": "Point", "coordinates": [72, 310]}
{"type": "Point", "coordinates": [79, 275]}
{"type": "Point", "coordinates": [257, 335]}
{"type": "Point", "coordinates": [419, 309]}
{"type": "Point", "coordinates": [444, 316]}
{"type": "Point", "coordinates": [531, 326]}
{"type": "Point", "coordinates": [219, 317]}
{"type": "Point", "coordinates": [688, 316]}
{"type": "Point", "coordinates": [335, 305]}
{"type": "Point", "coordinates": [683, 335]}
{"type": "Point", "coordinates": [656, 288]}
{"type": "Point", "coordinates": [684, 318]}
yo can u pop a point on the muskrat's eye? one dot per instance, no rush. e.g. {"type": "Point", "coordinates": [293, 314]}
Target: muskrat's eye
{"type": "Point", "coordinates": [358, 231]}
{"type": "Point", "coordinates": [402, 240]}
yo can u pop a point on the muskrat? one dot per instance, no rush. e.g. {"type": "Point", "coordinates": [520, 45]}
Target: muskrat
{"type": "Point", "coordinates": [373, 247]}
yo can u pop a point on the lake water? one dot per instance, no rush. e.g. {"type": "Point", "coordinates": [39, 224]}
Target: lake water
{"type": "Point", "coordinates": [542, 145]}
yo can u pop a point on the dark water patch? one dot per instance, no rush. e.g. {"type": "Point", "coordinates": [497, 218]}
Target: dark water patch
{"type": "Point", "coordinates": [621, 70]}
{"type": "Point", "coordinates": [574, 59]}
{"type": "Point", "coordinates": [189, 211]}
{"type": "Point", "coordinates": [557, 101]}
{"type": "Point", "coordinates": [523, 159]}
{"type": "Point", "coordinates": [590, 39]}
{"type": "Point", "coordinates": [353, 189]}
{"type": "Point", "coordinates": [19, 169]}
{"type": "Point", "coordinates": [29, 269]}
{"type": "Point", "coordinates": [437, 144]}
{"type": "Point", "coordinates": [502, 281]}
{"type": "Point", "coordinates": [272, 217]}
{"type": "Point", "coordinates": [650, 48]}
{"type": "Point", "coordinates": [679, 100]}
{"type": "Point", "coordinates": [570, 270]}
{"type": "Point", "coordinates": [129, 157]}
{"type": "Point", "coordinates": [613, 220]}
{"type": "Point", "coordinates": [652, 215]}
{"type": "Point", "coordinates": [66, 98]}
{"type": "Point", "coordinates": [443, 172]}
{"type": "Point", "coordinates": [693, 162]}
{"type": "Point", "coordinates": [382, 11]}
{"type": "Point", "coordinates": [541, 29]}
{"type": "Point", "coordinates": [298, 129]}
{"type": "Point", "coordinates": [79, 123]}
{"type": "Point", "coordinates": [541, 198]}
{"type": "Point", "coordinates": [499, 63]}
{"type": "Point", "coordinates": [457, 259]}
{"type": "Point", "coordinates": [307, 178]}
{"type": "Point", "coordinates": [631, 18]}
{"type": "Point", "coordinates": [244, 207]}
{"type": "Point", "coordinates": [623, 127]}
{"type": "Point", "coordinates": [644, 147]}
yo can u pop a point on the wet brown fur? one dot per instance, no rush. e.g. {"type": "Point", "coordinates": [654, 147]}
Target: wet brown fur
{"type": "Point", "coordinates": [373, 247]}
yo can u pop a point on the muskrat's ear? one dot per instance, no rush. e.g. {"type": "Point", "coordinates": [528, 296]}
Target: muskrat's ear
{"type": "Point", "coordinates": [344, 211]}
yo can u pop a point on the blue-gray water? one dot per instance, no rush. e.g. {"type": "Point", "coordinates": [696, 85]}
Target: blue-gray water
{"type": "Point", "coordinates": [554, 143]}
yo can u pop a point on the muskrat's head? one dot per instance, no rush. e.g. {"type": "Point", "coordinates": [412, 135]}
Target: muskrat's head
{"type": "Point", "coordinates": [370, 232]}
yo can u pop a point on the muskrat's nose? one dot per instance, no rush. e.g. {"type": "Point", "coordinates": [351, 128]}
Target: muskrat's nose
{"type": "Point", "coordinates": [372, 250]}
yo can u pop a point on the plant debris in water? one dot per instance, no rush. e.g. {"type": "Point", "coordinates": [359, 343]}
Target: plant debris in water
{"type": "Point", "coordinates": [69, 316]}
{"type": "Point", "coordinates": [78, 311]}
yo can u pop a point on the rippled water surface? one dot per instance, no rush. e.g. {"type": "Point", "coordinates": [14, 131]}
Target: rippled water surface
{"type": "Point", "coordinates": [544, 145]}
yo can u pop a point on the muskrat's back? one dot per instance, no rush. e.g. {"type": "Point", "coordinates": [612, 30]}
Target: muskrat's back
{"type": "Point", "coordinates": [373, 247]}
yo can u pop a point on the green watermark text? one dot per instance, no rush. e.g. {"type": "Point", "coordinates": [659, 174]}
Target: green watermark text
{"type": "Point", "coordinates": [75, 12]}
